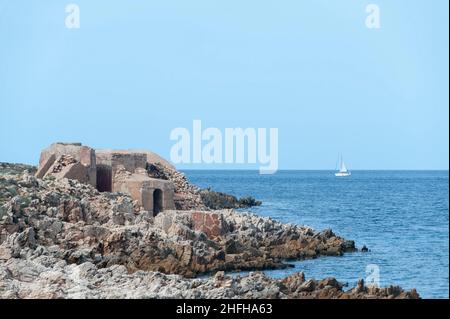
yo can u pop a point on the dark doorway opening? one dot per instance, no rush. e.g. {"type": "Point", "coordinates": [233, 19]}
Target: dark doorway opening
{"type": "Point", "coordinates": [157, 201]}
{"type": "Point", "coordinates": [104, 178]}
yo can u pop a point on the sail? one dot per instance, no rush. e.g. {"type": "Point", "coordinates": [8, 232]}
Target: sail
{"type": "Point", "coordinates": [343, 168]}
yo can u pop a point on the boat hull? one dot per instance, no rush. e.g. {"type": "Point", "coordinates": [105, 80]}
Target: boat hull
{"type": "Point", "coordinates": [342, 174]}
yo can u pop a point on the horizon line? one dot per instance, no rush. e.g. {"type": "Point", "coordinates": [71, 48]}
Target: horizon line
{"type": "Point", "coordinates": [314, 169]}
{"type": "Point", "coordinates": [283, 169]}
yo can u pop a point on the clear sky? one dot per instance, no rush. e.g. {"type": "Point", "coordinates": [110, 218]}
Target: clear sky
{"type": "Point", "coordinates": [135, 70]}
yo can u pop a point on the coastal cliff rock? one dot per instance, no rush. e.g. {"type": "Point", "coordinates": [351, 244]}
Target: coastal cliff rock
{"type": "Point", "coordinates": [82, 224]}
{"type": "Point", "coordinates": [62, 238]}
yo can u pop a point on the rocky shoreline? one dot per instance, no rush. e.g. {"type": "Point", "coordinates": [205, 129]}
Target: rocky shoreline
{"type": "Point", "coordinates": [63, 239]}
{"type": "Point", "coordinates": [50, 278]}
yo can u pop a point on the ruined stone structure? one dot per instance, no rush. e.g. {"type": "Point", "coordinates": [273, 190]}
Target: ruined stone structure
{"type": "Point", "coordinates": [70, 160]}
{"type": "Point", "coordinates": [126, 172]}
{"type": "Point", "coordinates": [110, 171]}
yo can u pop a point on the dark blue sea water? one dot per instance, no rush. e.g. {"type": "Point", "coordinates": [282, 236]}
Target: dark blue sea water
{"type": "Point", "coordinates": [402, 216]}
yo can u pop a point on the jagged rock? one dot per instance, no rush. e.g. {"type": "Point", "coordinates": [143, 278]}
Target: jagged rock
{"type": "Point", "coordinates": [108, 229]}
{"type": "Point", "coordinates": [64, 239]}
{"type": "Point", "coordinates": [218, 200]}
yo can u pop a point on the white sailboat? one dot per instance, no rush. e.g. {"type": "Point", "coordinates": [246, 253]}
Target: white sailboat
{"type": "Point", "coordinates": [342, 170]}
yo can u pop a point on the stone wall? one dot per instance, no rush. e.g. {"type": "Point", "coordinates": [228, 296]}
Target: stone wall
{"type": "Point", "coordinates": [118, 159]}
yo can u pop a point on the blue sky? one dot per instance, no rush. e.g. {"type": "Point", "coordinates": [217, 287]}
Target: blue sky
{"type": "Point", "coordinates": [135, 70]}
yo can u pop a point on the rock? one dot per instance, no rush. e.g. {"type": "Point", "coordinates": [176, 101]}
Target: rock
{"type": "Point", "coordinates": [330, 282]}
{"type": "Point", "coordinates": [307, 286]}
{"type": "Point", "coordinates": [216, 200]}
{"type": "Point", "coordinates": [219, 276]}
{"type": "Point", "coordinates": [231, 246]}
{"type": "Point", "coordinates": [360, 287]}
{"type": "Point", "coordinates": [60, 238]}
{"type": "Point", "coordinates": [212, 224]}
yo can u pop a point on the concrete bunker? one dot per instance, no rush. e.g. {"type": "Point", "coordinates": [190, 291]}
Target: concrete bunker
{"type": "Point", "coordinates": [109, 171]}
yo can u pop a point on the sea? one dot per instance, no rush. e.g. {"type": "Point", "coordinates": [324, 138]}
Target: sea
{"type": "Point", "coordinates": [401, 216]}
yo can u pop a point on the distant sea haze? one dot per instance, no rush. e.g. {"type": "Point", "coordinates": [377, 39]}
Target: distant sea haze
{"type": "Point", "coordinates": [401, 216]}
